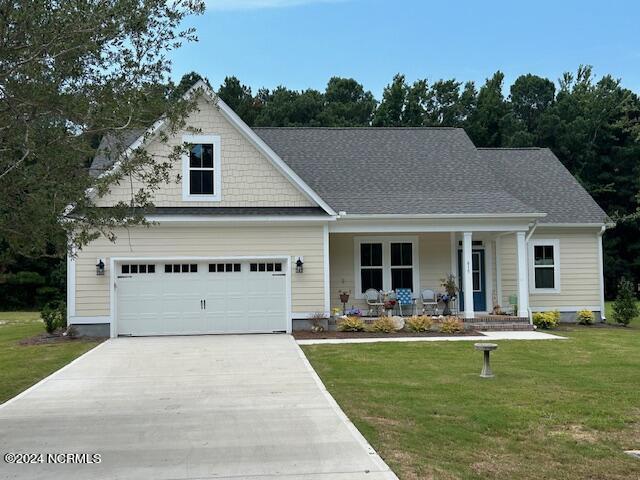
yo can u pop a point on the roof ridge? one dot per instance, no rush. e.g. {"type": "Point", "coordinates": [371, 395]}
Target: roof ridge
{"type": "Point", "coordinates": [510, 148]}
{"type": "Point", "coordinates": [358, 128]}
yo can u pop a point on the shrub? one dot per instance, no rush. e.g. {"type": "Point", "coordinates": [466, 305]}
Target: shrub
{"type": "Point", "coordinates": [317, 319]}
{"type": "Point", "coordinates": [383, 324]}
{"type": "Point", "coordinates": [625, 308]}
{"type": "Point", "coordinates": [54, 316]}
{"type": "Point", "coordinates": [546, 319]}
{"type": "Point", "coordinates": [420, 323]}
{"type": "Point", "coordinates": [585, 317]}
{"type": "Point", "coordinates": [351, 324]}
{"type": "Point", "coordinates": [452, 325]}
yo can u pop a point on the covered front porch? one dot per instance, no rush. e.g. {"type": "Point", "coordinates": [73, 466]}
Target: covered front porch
{"type": "Point", "coordinates": [488, 258]}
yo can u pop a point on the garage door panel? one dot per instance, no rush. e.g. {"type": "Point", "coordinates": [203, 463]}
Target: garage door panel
{"type": "Point", "coordinates": [237, 300]}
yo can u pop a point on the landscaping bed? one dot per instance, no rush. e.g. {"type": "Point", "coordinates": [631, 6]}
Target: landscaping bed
{"type": "Point", "coordinates": [308, 335]}
{"type": "Point", "coordinates": [57, 337]}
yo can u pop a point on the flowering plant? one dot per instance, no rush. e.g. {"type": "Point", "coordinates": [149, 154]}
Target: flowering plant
{"type": "Point", "coordinates": [389, 304]}
{"type": "Point", "coordinates": [354, 312]}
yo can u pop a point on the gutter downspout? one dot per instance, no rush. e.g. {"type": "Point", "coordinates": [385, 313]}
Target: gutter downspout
{"type": "Point", "coordinates": [603, 316]}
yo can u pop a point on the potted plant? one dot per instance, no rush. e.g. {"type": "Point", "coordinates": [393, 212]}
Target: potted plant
{"type": "Point", "coordinates": [451, 290]}
{"type": "Point", "coordinates": [344, 299]}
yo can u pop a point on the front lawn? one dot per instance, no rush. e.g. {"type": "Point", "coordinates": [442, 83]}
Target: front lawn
{"type": "Point", "coordinates": [556, 409]}
{"type": "Point", "coordinates": [23, 365]}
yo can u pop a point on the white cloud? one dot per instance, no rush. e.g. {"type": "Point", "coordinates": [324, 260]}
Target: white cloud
{"type": "Point", "coordinates": [258, 4]}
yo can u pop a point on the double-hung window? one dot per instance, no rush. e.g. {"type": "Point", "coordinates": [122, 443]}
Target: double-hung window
{"type": "Point", "coordinates": [385, 263]}
{"type": "Point", "coordinates": [201, 168]}
{"type": "Point", "coordinates": [544, 266]}
{"type": "Point", "coordinates": [371, 267]}
{"type": "Point", "coordinates": [401, 265]}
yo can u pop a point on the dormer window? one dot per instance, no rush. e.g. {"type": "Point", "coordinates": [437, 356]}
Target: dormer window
{"type": "Point", "coordinates": [201, 168]}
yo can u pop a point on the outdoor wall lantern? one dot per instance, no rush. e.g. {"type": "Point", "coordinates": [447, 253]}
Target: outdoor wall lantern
{"type": "Point", "coordinates": [299, 264]}
{"type": "Point", "coordinates": [100, 267]}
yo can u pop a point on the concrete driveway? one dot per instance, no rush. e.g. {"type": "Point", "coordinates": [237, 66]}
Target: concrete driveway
{"type": "Point", "coordinates": [242, 406]}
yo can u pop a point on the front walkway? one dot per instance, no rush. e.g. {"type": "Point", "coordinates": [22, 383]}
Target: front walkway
{"type": "Point", "coordinates": [484, 337]}
{"type": "Point", "coordinates": [242, 407]}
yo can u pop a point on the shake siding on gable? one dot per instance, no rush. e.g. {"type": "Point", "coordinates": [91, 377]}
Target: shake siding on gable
{"type": "Point", "coordinates": [248, 178]}
{"type": "Point", "coordinates": [307, 289]}
{"type": "Point", "coordinates": [579, 273]}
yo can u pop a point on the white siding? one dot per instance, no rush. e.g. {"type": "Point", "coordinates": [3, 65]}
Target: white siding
{"type": "Point", "coordinates": [248, 178]}
{"type": "Point", "coordinates": [579, 277]}
{"type": "Point", "coordinates": [307, 290]}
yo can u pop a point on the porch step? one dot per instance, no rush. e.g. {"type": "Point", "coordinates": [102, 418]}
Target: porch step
{"type": "Point", "coordinates": [499, 323]}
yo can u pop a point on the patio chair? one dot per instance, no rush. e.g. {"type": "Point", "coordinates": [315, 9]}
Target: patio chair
{"type": "Point", "coordinates": [429, 301]}
{"type": "Point", "coordinates": [375, 304]}
{"type": "Point", "coordinates": [405, 300]}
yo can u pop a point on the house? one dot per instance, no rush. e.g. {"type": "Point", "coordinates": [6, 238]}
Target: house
{"type": "Point", "coordinates": [267, 225]}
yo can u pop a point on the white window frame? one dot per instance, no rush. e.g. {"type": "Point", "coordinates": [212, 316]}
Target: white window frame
{"type": "Point", "coordinates": [217, 177]}
{"type": "Point", "coordinates": [544, 242]}
{"type": "Point", "coordinates": [386, 242]}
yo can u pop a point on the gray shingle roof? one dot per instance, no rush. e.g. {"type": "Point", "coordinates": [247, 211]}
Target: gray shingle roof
{"type": "Point", "coordinates": [416, 171]}
{"type": "Point", "coordinates": [393, 170]}
{"type": "Point", "coordinates": [109, 148]}
{"type": "Point", "coordinates": [535, 175]}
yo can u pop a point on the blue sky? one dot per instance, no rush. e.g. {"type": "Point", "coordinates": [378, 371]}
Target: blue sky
{"type": "Point", "coordinates": [302, 43]}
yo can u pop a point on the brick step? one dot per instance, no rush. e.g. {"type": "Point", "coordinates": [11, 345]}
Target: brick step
{"type": "Point", "coordinates": [504, 326]}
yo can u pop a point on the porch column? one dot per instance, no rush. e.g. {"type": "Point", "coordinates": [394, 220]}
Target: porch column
{"type": "Point", "coordinates": [523, 275]}
{"type": "Point", "coordinates": [467, 275]}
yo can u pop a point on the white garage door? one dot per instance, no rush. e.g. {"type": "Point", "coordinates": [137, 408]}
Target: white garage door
{"type": "Point", "coordinates": [178, 298]}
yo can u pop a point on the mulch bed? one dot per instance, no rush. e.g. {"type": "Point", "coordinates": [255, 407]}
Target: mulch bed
{"type": "Point", "coordinates": [308, 335]}
{"type": "Point", "coordinates": [54, 338]}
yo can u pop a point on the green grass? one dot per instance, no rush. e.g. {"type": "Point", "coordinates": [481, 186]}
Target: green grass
{"type": "Point", "coordinates": [23, 365]}
{"type": "Point", "coordinates": [556, 409]}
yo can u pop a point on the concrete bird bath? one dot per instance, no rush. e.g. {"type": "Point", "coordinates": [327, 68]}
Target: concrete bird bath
{"type": "Point", "coordinates": [486, 367]}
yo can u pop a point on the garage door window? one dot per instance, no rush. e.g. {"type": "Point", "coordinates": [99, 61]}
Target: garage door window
{"type": "Point", "coordinates": [129, 268]}
{"type": "Point", "coordinates": [266, 267]}
{"type": "Point", "coordinates": [225, 267]}
{"type": "Point", "coordinates": [181, 268]}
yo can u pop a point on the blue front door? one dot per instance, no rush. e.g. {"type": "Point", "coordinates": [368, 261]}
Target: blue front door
{"type": "Point", "coordinates": [478, 277]}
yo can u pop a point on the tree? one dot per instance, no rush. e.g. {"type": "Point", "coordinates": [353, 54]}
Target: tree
{"type": "Point", "coordinates": [289, 108]}
{"type": "Point", "coordinates": [625, 307]}
{"type": "Point", "coordinates": [484, 125]}
{"type": "Point", "coordinates": [530, 98]}
{"type": "Point", "coordinates": [239, 98]}
{"type": "Point", "coordinates": [346, 104]}
{"type": "Point", "coordinates": [70, 74]}
{"type": "Point", "coordinates": [444, 107]}
{"type": "Point", "coordinates": [415, 104]}
{"type": "Point", "coordinates": [391, 109]}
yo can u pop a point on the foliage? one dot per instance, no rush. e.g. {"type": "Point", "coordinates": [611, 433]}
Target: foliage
{"type": "Point", "coordinates": [452, 325]}
{"type": "Point", "coordinates": [54, 316]}
{"type": "Point", "coordinates": [419, 323]}
{"type": "Point", "coordinates": [317, 320]}
{"type": "Point", "coordinates": [351, 324]}
{"type": "Point", "coordinates": [625, 307]}
{"type": "Point", "coordinates": [382, 324]}
{"type": "Point", "coordinates": [450, 285]}
{"type": "Point", "coordinates": [585, 317]}
{"type": "Point", "coordinates": [546, 319]}
{"type": "Point", "coordinates": [354, 312]}
{"type": "Point", "coordinates": [71, 74]}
